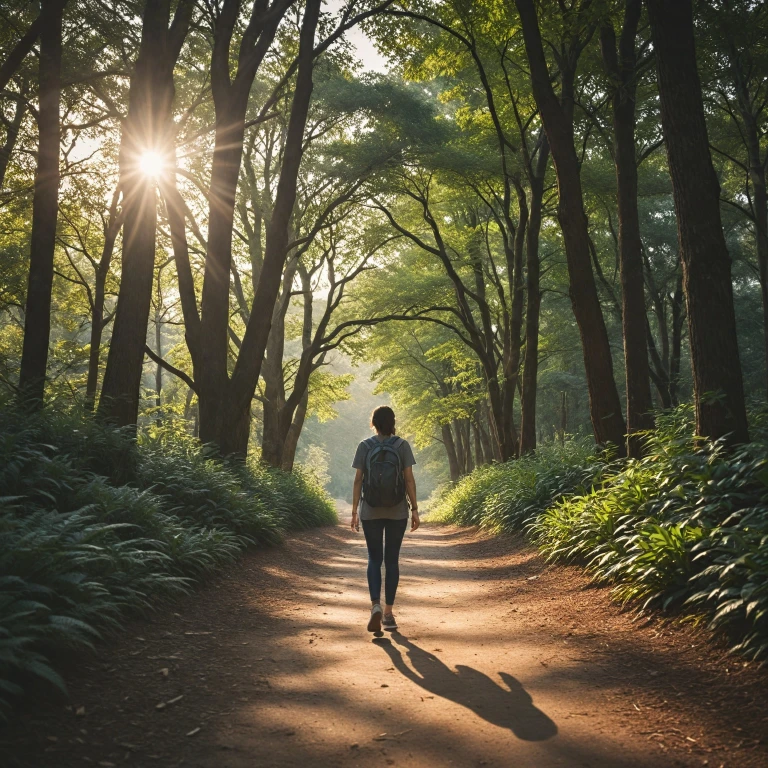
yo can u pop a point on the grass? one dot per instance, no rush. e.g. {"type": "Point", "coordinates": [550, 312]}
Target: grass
{"type": "Point", "coordinates": [94, 528]}
{"type": "Point", "coordinates": [685, 528]}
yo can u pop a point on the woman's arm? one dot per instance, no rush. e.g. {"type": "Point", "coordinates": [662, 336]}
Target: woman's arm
{"type": "Point", "coordinates": [357, 487]}
{"type": "Point", "coordinates": [410, 491]}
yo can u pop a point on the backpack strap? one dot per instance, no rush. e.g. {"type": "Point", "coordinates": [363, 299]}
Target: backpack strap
{"type": "Point", "coordinates": [392, 443]}
{"type": "Point", "coordinates": [373, 443]}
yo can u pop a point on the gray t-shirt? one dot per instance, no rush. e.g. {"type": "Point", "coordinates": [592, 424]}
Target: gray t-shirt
{"type": "Point", "coordinates": [399, 511]}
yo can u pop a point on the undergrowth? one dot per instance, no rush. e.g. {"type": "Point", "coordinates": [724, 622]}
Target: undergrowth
{"type": "Point", "coordinates": [685, 528]}
{"type": "Point", "coordinates": [94, 527]}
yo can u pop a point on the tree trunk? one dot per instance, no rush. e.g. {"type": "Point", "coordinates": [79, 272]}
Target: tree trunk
{"type": "Point", "coordinates": [111, 230]}
{"type": "Point", "coordinates": [533, 310]}
{"type": "Point", "coordinates": [148, 127]}
{"type": "Point", "coordinates": [12, 134]}
{"type": "Point", "coordinates": [563, 415]}
{"type": "Point", "coordinates": [678, 318]}
{"type": "Point", "coordinates": [604, 403]}
{"type": "Point", "coordinates": [159, 350]}
{"type": "Point", "coordinates": [512, 363]}
{"type": "Point", "coordinates": [294, 433]}
{"type": "Point", "coordinates": [214, 316]}
{"type": "Point", "coordinates": [485, 441]}
{"type": "Point", "coordinates": [45, 210]}
{"type": "Point", "coordinates": [450, 450]}
{"type": "Point", "coordinates": [717, 380]}
{"type": "Point", "coordinates": [622, 70]}
{"type": "Point", "coordinates": [479, 457]}
{"type": "Point", "coordinates": [760, 206]}
{"type": "Point", "coordinates": [274, 430]}
{"type": "Point", "coordinates": [94, 351]}
{"type": "Point", "coordinates": [459, 445]}
{"type": "Point", "coordinates": [466, 442]}
{"type": "Point", "coordinates": [228, 429]}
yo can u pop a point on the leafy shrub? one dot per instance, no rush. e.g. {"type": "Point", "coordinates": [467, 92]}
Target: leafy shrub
{"type": "Point", "coordinates": [504, 497]}
{"type": "Point", "coordinates": [93, 527]}
{"type": "Point", "coordinates": [685, 527]}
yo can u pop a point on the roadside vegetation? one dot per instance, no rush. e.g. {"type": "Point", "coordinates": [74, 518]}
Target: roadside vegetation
{"type": "Point", "coordinates": [94, 528]}
{"type": "Point", "coordinates": [684, 529]}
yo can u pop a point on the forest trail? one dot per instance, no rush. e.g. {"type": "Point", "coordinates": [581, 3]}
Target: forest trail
{"type": "Point", "coordinates": [500, 661]}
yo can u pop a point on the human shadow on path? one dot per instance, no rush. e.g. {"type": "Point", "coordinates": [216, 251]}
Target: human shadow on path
{"type": "Point", "coordinates": [512, 709]}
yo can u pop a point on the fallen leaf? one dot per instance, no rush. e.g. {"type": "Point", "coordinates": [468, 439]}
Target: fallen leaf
{"type": "Point", "coordinates": [194, 731]}
{"type": "Point", "coordinates": [391, 736]}
{"type": "Point", "coordinates": [164, 704]}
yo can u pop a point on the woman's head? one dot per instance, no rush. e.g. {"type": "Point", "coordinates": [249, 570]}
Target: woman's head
{"type": "Point", "coordinates": [383, 420]}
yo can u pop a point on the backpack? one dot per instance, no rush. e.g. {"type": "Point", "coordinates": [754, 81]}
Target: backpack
{"type": "Point", "coordinates": [383, 481]}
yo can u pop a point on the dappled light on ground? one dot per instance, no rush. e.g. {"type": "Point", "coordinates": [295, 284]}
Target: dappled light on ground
{"type": "Point", "coordinates": [499, 661]}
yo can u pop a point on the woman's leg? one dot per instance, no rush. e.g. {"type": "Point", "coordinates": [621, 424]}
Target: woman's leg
{"type": "Point", "coordinates": [374, 540]}
{"type": "Point", "coordinates": [395, 531]}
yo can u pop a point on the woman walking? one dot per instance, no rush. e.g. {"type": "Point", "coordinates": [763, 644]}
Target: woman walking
{"type": "Point", "coordinates": [383, 488]}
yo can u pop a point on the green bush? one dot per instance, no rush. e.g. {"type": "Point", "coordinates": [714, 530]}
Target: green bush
{"type": "Point", "coordinates": [94, 527]}
{"type": "Point", "coordinates": [504, 497]}
{"type": "Point", "coordinates": [685, 527]}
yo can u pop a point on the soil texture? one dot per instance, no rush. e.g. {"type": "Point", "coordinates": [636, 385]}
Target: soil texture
{"type": "Point", "coordinates": [500, 660]}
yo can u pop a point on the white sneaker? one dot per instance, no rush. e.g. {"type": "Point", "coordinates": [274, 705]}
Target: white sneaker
{"type": "Point", "coordinates": [374, 624]}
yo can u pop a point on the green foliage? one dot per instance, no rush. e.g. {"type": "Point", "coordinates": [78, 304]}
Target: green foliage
{"type": "Point", "coordinates": [504, 497]}
{"type": "Point", "coordinates": [93, 527]}
{"type": "Point", "coordinates": [686, 527]}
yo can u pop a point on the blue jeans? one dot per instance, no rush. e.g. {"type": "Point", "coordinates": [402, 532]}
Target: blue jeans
{"type": "Point", "coordinates": [388, 553]}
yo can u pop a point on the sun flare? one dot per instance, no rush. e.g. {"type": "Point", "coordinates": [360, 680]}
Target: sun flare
{"type": "Point", "coordinates": [151, 163]}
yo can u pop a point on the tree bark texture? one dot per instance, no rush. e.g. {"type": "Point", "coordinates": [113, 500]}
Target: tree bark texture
{"type": "Point", "coordinates": [45, 211]}
{"type": "Point", "coordinates": [450, 450]}
{"type": "Point", "coordinates": [533, 308]}
{"type": "Point", "coordinates": [604, 403]}
{"type": "Point", "coordinates": [294, 433]}
{"type": "Point", "coordinates": [621, 68]}
{"type": "Point", "coordinates": [717, 379]}
{"type": "Point", "coordinates": [147, 128]}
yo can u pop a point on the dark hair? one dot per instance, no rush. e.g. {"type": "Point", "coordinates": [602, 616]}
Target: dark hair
{"type": "Point", "coordinates": [383, 419]}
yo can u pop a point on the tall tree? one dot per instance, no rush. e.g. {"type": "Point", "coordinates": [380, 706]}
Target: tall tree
{"type": "Point", "coordinates": [45, 209]}
{"type": "Point", "coordinates": [623, 69]}
{"type": "Point", "coordinates": [147, 133]}
{"type": "Point", "coordinates": [736, 60]}
{"type": "Point", "coordinates": [717, 379]}
{"type": "Point", "coordinates": [557, 118]}
{"type": "Point", "coordinates": [537, 170]}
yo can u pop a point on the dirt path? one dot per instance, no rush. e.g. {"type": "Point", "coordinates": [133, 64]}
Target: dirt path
{"type": "Point", "coordinates": [500, 661]}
